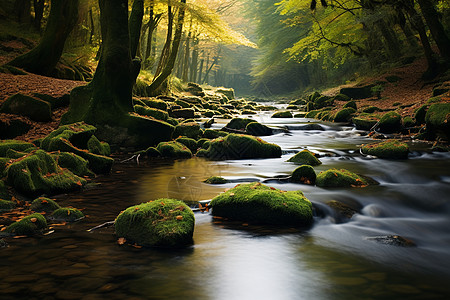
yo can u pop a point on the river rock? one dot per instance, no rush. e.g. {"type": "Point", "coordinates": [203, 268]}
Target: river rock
{"type": "Point", "coordinates": [304, 174]}
{"type": "Point", "coordinates": [215, 180]}
{"type": "Point", "coordinates": [228, 92]}
{"type": "Point", "coordinates": [154, 103]}
{"type": "Point", "coordinates": [162, 222]}
{"type": "Point", "coordinates": [43, 204]}
{"type": "Point", "coordinates": [151, 112]}
{"type": "Point", "coordinates": [33, 108]}
{"type": "Point", "coordinates": [239, 123]}
{"type": "Point", "coordinates": [173, 150]}
{"type": "Point", "coordinates": [390, 149]}
{"type": "Point", "coordinates": [66, 214]}
{"type": "Point", "coordinates": [393, 240]}
{"type": "Point", "coordinates": [258, 203]}
{"type": "Point", "coordinates": [258, 129]}
{"type": "Point", "coordinates": [365, 121]}
{"type": "Point", "coordinates": [344, 115]}
{"type": "Point", "coordinates": [305, 157]}
{"type": "Point", "coordinates": [340, 178]}
{"type": "Point", "coordinates": [240, 146]}
{"type": "Point", "coordinates": [390, 122]}
{"type": "Point", "coordinates": [188, 142]}
{"type": "Point", "coordinates": [437, 119]}
{"type": "Point", "coordinates": [188, 129]}
{"type": "Point", "coordinates": [282, 114]}
{"type": "Point", "coordinates": [76, 164]}
{"type": "Point", "coordinates": [29, 225]}
{"type": "Point", "coordinates": [10, 129]}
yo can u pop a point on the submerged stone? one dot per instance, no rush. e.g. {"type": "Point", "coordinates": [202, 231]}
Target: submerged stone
{"type": "Point", "coordinates": [392, 240]}
{"type": "Point", "coordinates": [258, 129]}
{"type": "Point", "coordinates": [29, 225]}
{"type": "Point", "coordinates": [216, 180]}
{"type": "Point", "coordinates": [239, 146]}
{"type": "Point", "coordinates": [43, 204]}
{"type": "Point", "coordinates": [305, 157]}
{"type": "Point", "coordinates": [341, 208]}
{"type": "Point", "coordinates": [282, 114]}
{"type": "Point", "coordinates": [390, 122]}
{"type": "Point", "coordinates": [304, 174]}
{"type": "Point", "coordinates": [160, 223]}
{"type": "Point", "coordinates": [340, 178]}
{"type": "Point", "coordinates": [67, 214]}
{"type": "Point", "coordinates": [391, 149]}
{"type": "Point", "coordinates": [258, 203]}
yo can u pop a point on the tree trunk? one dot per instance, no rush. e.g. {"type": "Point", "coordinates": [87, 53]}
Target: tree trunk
{"type": "Point", "coordinates": [158, 80]}
{"type": "Point", "coordinates": [38, 13]}
{"type": "Point", "coordinates": [184, 75]}
{"type": "Point", "coordinates": [91, 33]}
{"type": "Point", "coordinates": [437, 30]}
{"type": "Point", "coordinates": [406, 28]}
{"type": "Point", "coordinates": [135, 24]}
{"type": "Point", "coordinates": [166, 48]}
{"type": "Point", "coordinates": [194, 63]}
{"type": "Point", "coordinates": [22, 10]}
{"type": "Point", "coordinates": [44, 57]}
{"type": "Point", "coordinates": [391, 41]}
{"type": "Point", "coordinates": [200, 70]}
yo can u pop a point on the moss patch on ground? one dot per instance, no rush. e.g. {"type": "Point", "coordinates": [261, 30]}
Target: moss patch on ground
{"type": "Point", "coordinates": [258, 203]}
{"type": "Point", "coordinates": [162, 223]}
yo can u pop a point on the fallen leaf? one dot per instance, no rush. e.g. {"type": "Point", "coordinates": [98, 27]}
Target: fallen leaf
{"type": "Point", "coordinates": [137, 246]}
{"type": "Point", "coordinates": [121, 241]}
{"type": "Point", "coordinates": [20, 236]}
{"type": "Point", "coordinates": [33, 220]}
{"type": "Point", "coordinates": [179, 218]}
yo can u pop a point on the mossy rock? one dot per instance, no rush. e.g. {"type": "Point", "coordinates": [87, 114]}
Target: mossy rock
{"type": "Point", "coordinates": [314, 96]}
{"type": "Point", "coordinates": [33, 108]}
{"type": "Point", "coordinates": [298, 102]}
{"type": "Point", "coordinates": [239, 146]}
{"type": "Point", "coordinates": [282, 114]}
{"type": "Point", "coordinates": [16, 145]}
{"type": "Point", "coordinates": [305, 157]}
{"type": "Point", "coordinates": [420, 114]}
{"type": "Point", "coordinates": [29, 225]}
{"type": "Point", "coordinates": [365, 121]}
{"type": "Point", "coordinates": [371, 109]}
{"type": "Point", "coordinates": [390, 122]}
{"type": "Point", "coordinates": [62, 101]}
{"type": "Point", "coordinates": [344, 115]}
{"type": "Point", "coordinates": [213, 134]}
{"type": "Point", "coordinates": [43, 204]}
{"type": "Point", "coordinates": [13, 154]}
{"type": "Point", "coordinates": [341, 97]}
{"type": "Point", "coordinates": [151, 112]}
{"type": "Point", "coordinates": [152, 152]}
{"type": "Point", "coordinates": [258, 129]}
{"type": "Point", "coordinates": [313, 113]}
{"type": "Point", "coordinates": [190, 129]}
{"type": "Point", "coordinates": [432, 100]}
{"type": "Point", "coordinates": [309, 106]}
{"type": "Point", "coordinates": [304, 174]}
{"type": "Point", "coordinates": [358, 92]}
{"type": "Point", "coordinates": [6, 205]}
{"type": "Point", "coordinates": [67, 214]}
{"type": "Point", "coordinates": [4, 193]}
{"type": "Point", "coordinates": [96, 147]}
{"type": "Point", "coordinates": [216, 180]}
{"type": "Point", "coordinates": [158, 223]}
{"type": "Point", "coordinates": [292, 107]}
{"type": "Point", "coordinates": [438, 120]}
{"type": "Point", "coordinates": [408, 122]}
{"type": "Point", "coordinates": [155, 103]}
{"type": "Point", "coordinates": [351, 104]}
{"type": "Point", "coordinates": [239, 123]}
{"type": "Point", "coordinates": [391, 149]}
{"type": "Point", "coordinates": [323, 101]}
{"type": "Point", "coordinates": [173, 150]}
{"type": "Point", "coordinates": [4, 162]}
{"type": "Point", "coordinates": [340, 178]}
{"type": "Point", "coordinates": [188, 142]}
{"type": "Point", "coordinates": [39, 173]}
{"type": "Point", "coordinates": [10, 129]}
{"type": "Point", "coordinates": [228, 92]}
{"type": "Point", "coordinates": [185, 113]}
{"type": "Point", "coordinates": [182, 103]}
{"type": "Point", "coordinates": [341, 208]}
{"type": "Point", "coordinates": [77, 134]}
{"type": "Point", "coordinates": [76, 164]}
{"type": "Point", "coordinates": [258, 203]}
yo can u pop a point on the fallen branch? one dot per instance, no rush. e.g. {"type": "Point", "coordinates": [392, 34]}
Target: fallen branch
{"type": "Point", "coordinates": [106, 224]}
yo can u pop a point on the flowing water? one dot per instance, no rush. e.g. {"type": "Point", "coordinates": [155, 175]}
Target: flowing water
{"type": "Point", "coordinates": [331, 260]}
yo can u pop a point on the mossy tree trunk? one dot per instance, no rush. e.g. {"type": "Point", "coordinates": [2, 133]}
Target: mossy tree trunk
{"type": "Point", "coordinates": [44, 57]}
{"type": "Point", "coordinates": [135, 23]}
{"type": "Point", "coordinates": [38, 13]}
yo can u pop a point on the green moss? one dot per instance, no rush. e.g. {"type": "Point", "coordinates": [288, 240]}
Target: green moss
{"type": "Point", "coordinates": [390, 122]}
{"type": "Point", "coordinates": [152, 152]}
{"type": "Point", "coordinates": [291, 106]}
{"type": "Point", "coordinates": [396, 104]}
{"type": "Point", "coordinates": [155, 103]}
{"type": "Point", "coordinates": [305, 157]}
{"type": "Point", "coordinates": [4, 193]}
{"type": "Point", "coordinates": [304, 174]}
{"type": "Point", "coordinates": [13, 154]}
{"type": "Point", "coordinates": [190, 129]}
{"type": "Point", "coordinates": [371, 109]}
{"type": "Point", "coordinates": [35, 109]}
{"type": "Point", "coordinates": [298, 102]}
{"type": "Point", "coordinates": [174, 150]}
{"type": "Point", "coordinates": [29, 225]}
{"type": "Point", "coordinates": [76, 164]}
{"type": "Point", "coordinates": [438, 120]}
{"type": "Point", "coordinates": [16, 145]}
{"type": "Point", "coordinates": [39, 173]}
{"type": "Point", "coordinates": [341, 97]}
{"type": "Point", "coordinates": [340, 178]}
{"type": "Point", "coordinates": [351, 104]}
{"type": "Point", "coordinates": [282, 114]}
{"type": "Point", "coordinates": [258, 203]}
{"type": "Point", "coordinates": [313, 113]}
{"type": "Point", "coordinates": [314, 96]}
{"type": "Point", "coordinates": [392, 149]}
{"type": "Point", "coordinates": [228, 92]}
{"type": "Point", "coordinates": [323, 101]}
{"type": "Point", "coordinates": [408, 122]}
{"type": "Point", "coordinates": [258, 129]}
{"type": "Point", "coordinates": [151, 112]}
{"type": "Point", "coordinates": [216, 180]}
{"type": "Point", "coordinates": [67, 214]}
{"type": "Point", "coordinates": [43, 204]}
{"type": "Point", "coordinates": [239, 146]}
{"type": "Point", "coordinates": [213, 134]}
{"type": "Point", "coordinates": [172, 121]}
{"type": "Point", "coordinates": [182, 103]}
{"type": "Point", "coordinates": [239, 123]}
{"type": "Point", "coordinates": [6, 205]}
{"type": "Point", "coordinates": [96, 147]}
{"type": "Point", "coordinates": [344, 115]}
{"type": "Point", "coordinates": [434, 100]}
{"type": "Point", "coordinates": [4, 162]}
{"type": "Point", "coordinates": [365, 121]}
{"type": "Point", "coordinates": [161, 223]}
{"type": "Point", "coordinates": [420, 114]}
{"type": "Point", "coordinates": [188, 142]}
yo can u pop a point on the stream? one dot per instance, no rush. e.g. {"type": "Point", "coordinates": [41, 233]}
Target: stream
{"type": "Point", "coordinates": [331, 260]}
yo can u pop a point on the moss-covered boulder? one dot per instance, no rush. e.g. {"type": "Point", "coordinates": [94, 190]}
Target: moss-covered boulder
{"type": "Point", "coordinates": [158, 223]}
{"type": "Point", "coordinates": [4, 193]}
{"type": "Point", "coordinates": [408, 121]}
{"type": "Point", "coordinates": [358, 92]}
{"type": "Point", "coordinates": [323, 101]}
{"type": "Point", "coordinates": [151, 112]}
{"type": "Point", "coordinates": [365, 121]}
{"type": "Point", "coordinates": [340, 178]}
{"type": "Point", "coordinates": [344, 115]}
{"type": "Point", "coordinates": [239, 123]}
{"type": "Point", "coordinates": [67, 214]}
{"type": "Point", "coordinates": [188, 129]}
{"type": "Point", "coordinates": [173, 150]}
{"type": "Point", "coordinates": [228, 92]}
{"type": "Point", "coordinates": [188, 142]}
{"type": "Point", "coordinates": [437, 119]}
{"type": "Point", "coordinates": [97, 147]}
{"type": "Point", "coordinates": [43, 204]}
{"type": "Point", "coordinates": [258, 203]}
{"type": "Point", "coordinates": [213, 134]}
{"type": "Point", "coordinates": [390, 122]}
{"type": "Point", "coordinates": [282, 114]}
{"type": "Point", "coordinates": [29, 225]}
{"type": "Point", "coordinates": [304, 174]}
{"type": "Point", "coordinates": [391, 149]}
{"type": "Point", "coordinates": [341, 97]}
{"type": "Point", "coordinates": [351, 104]}
{"type": "Point", "coordinates": [33, 108]}
{"type": "Point", "coordinates": [184, 113]}
{"type": "Point", "coordinates": [239, 146]}
{"type": "Point", "coordinates": [76, 164]}
{"type": "Point", "coordinates": [258, 129]}
{"type": "Point", "coordinates": [38, 173]}
{"type": "Point", "coordinates": [16, 145]}
{"type": "Point", "coordinates": [6, 205]}
{"type": "Point", "coordinates": [216, 180]}
{"type": "Point", "coordinates": [77, 134]}
{"type": "Point", "coordinates": [305, 157]}
{"type": "Point", "coordinates": [154, 103]}
{"type": "Point", "coordinates": [182, 103]}
{"type": "Point", "coordinates": [420, 114]}
{"type": "Point", "coordinates": [371, 109]}
{"type": "Point", "coordinates": [152, 152]}
{"type": "Point", "coordinates": [10, 129]}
